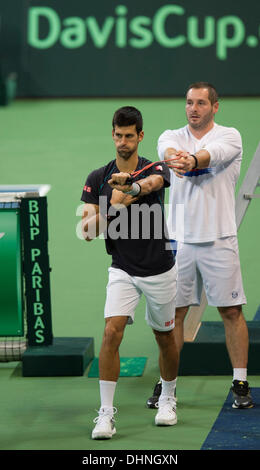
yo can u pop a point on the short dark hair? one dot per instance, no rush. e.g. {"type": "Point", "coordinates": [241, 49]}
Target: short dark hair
{"type": "Point", "coordinates": [127, 116]}
{"type": "Point", "coordinates": [212, 92]}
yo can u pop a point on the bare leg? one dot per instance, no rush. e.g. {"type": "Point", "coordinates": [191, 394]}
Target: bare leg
{"type": "Point", "coordinates": [180, 315]}
{"type": "Point", "coordinates": [109, 361]}
{"type": "Point", "coordinates": [169, 355]}
{"type": "Point", "coordinates": [236, 335]}
{"type": "Point", "coordinates": [169, 362]}
{"type": "Point", "coordinates": [109, 368]}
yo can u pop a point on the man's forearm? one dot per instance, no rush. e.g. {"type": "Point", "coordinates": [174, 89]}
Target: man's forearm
{"type": "Point", "coordinates": [93, 226]}
{"type": "Point", "coordinates": [150, 184]}
{"type": "Point", "coordinates": [185, 161]}
{"type": "Point", "coordinates": [203, 158]}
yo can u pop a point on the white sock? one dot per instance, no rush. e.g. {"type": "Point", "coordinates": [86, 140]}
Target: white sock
{"type": "Point", "coordinates": [168, 388]}
{"type": "Point", "coordinates": [107, 391]}
{"type": "Point", "coordinates": [160, 379]}
{"type": "Point", "coordinates": [240, 374]}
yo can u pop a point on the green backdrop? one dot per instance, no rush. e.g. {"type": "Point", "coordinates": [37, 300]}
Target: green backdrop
{"type": "Point", "coordinates": [130, 48]}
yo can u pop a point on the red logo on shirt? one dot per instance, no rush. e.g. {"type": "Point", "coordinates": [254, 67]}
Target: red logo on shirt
{"type": "Point", "coordinates": [159, 167]}
{"type": "Point", "coordinates": [87, 188]}
{"type": "Point", "coordinates": [169, 323]}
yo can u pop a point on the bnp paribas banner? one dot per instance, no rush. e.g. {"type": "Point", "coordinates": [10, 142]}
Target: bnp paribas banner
{"type": "Point", "coordinates": [136, 47]}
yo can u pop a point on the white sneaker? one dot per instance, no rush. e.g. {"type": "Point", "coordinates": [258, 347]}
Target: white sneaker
{"type": "Point", "coordinates": [105, 424]}
{"type": "Point", "coordinates": [166, 415]}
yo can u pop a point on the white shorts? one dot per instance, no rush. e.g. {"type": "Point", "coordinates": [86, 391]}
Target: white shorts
{"type": "Point", "coordinates": [124, 292]}
{"type": "Point", "coordinates": [214, 265]}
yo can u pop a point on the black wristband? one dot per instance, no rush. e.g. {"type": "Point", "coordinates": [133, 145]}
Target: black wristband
{"type": "Point", "coordinates": [196, 161]}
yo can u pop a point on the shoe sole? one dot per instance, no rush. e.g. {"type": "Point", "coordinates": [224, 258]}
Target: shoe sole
{"type": "Point", "coordinates": [100, 435]}
{"type": "Point", "coordinates": [166, 423]}
{"type": "Point", "coordinates": [241, 407]}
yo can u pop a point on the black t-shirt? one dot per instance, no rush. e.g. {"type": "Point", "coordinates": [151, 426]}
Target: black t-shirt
{"type": "Point", "coordinates": [137, 237]}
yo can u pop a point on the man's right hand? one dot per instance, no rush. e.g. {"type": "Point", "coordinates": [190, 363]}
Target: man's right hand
{"type": "Point", "coordinates": [120, 198]}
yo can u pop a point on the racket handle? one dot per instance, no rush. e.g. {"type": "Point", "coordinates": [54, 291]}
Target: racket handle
{"type": "Point", "coordinates": [129, 180]}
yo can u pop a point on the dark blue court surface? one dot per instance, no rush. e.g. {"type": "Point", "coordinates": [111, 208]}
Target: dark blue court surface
{"type": "Point", "coordinates": [257, 315]}
{"type": "Point", "coordinates": [236, 429]}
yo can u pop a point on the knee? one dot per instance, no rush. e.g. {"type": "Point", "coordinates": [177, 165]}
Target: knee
{"type": "Point", "coordinates": [112, 335]}
{"type": "Point", "coordinates": [232, 313]}
{"type": "Point", "coordinates": [164, 338]}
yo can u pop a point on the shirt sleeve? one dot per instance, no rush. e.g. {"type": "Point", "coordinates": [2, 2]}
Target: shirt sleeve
{"type": "Point", "coordinates": [225, 148]}
{"type": "Point", "coordinates": [90, 193]}
{"type": "Point", "coordinates": [166, 140]}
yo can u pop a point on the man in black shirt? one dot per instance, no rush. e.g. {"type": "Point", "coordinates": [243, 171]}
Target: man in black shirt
{"type": "Point", "coordinates": [131, 215]}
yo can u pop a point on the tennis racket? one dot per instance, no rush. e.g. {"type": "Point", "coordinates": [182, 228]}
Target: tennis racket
{"type": "Point", "coordinates": [136, 173]}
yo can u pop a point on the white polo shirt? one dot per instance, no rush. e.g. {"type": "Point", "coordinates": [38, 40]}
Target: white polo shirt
{"type": "Point", "coordinates": [202, 204]}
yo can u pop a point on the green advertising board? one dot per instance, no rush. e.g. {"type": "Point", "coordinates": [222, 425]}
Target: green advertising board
{"type": "Point", "coordinates": [34, 223]}
{"type": "Point", "coordinates": [133, 48]}
{"type": "Point", "coordinates": [11, 295]}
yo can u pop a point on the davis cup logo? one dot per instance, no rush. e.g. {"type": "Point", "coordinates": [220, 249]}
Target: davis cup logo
{"type": "Point", "coordinates": [2, 235]}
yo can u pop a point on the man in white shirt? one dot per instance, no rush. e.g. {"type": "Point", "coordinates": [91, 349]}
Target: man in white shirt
{"type": "Point", "coordinates": [202, 220]}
